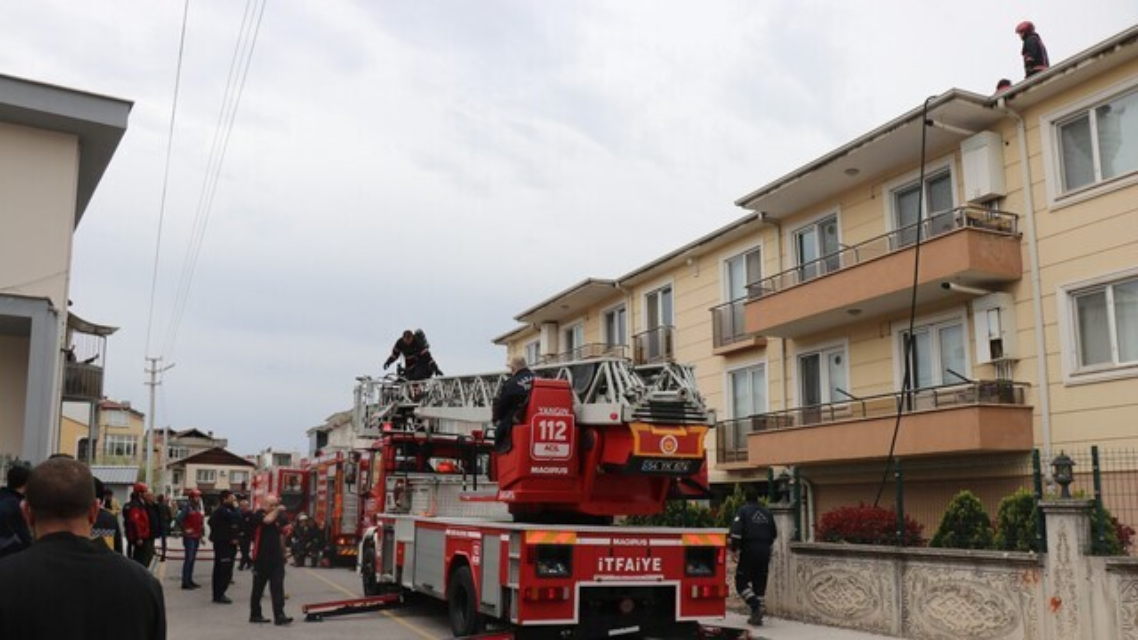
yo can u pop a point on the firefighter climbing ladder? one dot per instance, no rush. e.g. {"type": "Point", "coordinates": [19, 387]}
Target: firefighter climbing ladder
{"type": "Point", "coordinates": [606, 390]}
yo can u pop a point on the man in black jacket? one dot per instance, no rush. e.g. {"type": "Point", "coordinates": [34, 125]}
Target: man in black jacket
{"type": "Point", "coordinates": [1034, 52]}
{"type": "Point", "coordinates": [418, 363]}
{"type": "Point", "coordinates": [14, 533]}
{"type": "Point", "coordinates": [753, 532]}
{"type": "Point", "coordinates": [65, 585]}
{"type": "Point", "coordinates": [269, 561]}
{"type": "Point", "coordinates": [224, 531]}
{"type": "Point", "coordinates": [510, 401]}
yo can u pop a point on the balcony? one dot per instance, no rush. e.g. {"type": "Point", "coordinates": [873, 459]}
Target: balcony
{"type": "Point", "coordinates": [978, 417]}
{"type": "Point", "coordinates": [586, 352]}
{"type": "Point", "coordinates": [654, 346]}
{"type": "Point", "coordinates": [82, 382]}
{"type": "Point", "coordinates": [729, 331]}
{"type": "Point", "coordinates": [968, 245]}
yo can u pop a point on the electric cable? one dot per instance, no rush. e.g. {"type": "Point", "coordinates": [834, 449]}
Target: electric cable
{"type": "Point", "coordinates": [907, 350]}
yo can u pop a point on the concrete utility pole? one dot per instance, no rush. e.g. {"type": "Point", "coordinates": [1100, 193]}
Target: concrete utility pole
{"type": "Point", "coordinates": [153, 383]}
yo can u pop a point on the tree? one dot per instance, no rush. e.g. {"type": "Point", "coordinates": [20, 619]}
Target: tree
{"type": "Point", "coordinates": [965, 524]}
{"type": "Point", "coordinates": [1017, 523]}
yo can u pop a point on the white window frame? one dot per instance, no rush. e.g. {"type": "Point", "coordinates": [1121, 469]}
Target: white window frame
{"type": "Point", "coordinates": [605, 337]}
{"type": "Point", "coordinates": [725, 269]}
{"type": "Point", "coordinates": [128, 442]}
{"type": "Point", "coordinates": [535, 347]}
{"type": "Point", "coordinates": [1073, 373]}
{"type": "Point", "coordinates": [569, 328]}
{"type": "Point", "coordinates": [667, 284]}
{"type": "Point", "coordinates": [1049, 134]}
{"type": "Point", "coordinates": [821, 347]}
{"type": "Point", "coordinates": [938, 320]}
{"type": "Point", "coordinates": [890, 189]}
{"type": "Point", "coordinates": [237, 476]}
{"type": "Point", "coordinates": [730, 388]}
{"type": "Point", "coordinates": [205, 476]}
{"type": "Point", "coordinates": [117, 418]}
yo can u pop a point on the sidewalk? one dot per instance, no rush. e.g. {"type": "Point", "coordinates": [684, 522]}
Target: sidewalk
{"type": "Point", "coordinates": [780, 629]}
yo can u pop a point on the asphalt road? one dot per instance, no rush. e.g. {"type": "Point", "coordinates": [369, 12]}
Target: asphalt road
{"type": "Point", "coordinates": [192, 616]}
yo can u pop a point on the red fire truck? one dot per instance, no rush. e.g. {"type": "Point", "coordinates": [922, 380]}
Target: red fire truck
{"type": "Point", "coordinates": [523, 540]}
{"type": "Point", "coordinates": [334, 500]}
{"type": "Point", "coordinates": [285, 482]}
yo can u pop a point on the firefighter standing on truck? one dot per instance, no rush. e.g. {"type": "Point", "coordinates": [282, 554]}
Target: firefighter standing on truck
{"type": "Point", "coordinates": [418, 363]}
{"type": "Point", "coordinates": [510, 401]}
{"type": "Point", "coordinates": [752, 534]}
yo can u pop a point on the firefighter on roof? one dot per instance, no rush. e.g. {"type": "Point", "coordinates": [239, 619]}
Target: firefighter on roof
{"type": "Point", "coordinates": [418, 364]}
{"type": "Point", "coordinates": [1034, 53]}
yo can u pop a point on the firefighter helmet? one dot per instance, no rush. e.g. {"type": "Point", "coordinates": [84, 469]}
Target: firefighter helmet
{"type": "Point", "coordinates": [1025, 27]}
{"type": "Point", "coordinates": [140, 487]}
{"type": "Point", "coordinates": [194, 493]}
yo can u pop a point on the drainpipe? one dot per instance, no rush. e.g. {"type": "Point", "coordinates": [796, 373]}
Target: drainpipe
{"type": "Point", "coordinates": [765, 217]}
{"type": "Point", "coordinates": [1043, 383]}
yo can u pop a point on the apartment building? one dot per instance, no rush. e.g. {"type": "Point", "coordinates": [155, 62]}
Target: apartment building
{"type": "Point", "coordinates": [55, 144]}
{"type": "Point", "coordinates": [119, 436]}
{"type": "Point", "coordinates": [1024, 304]}
{"type": "Point", "coordinates": [210, 471]}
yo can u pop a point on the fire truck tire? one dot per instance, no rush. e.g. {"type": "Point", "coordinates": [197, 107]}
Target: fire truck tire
{"type": "Point", "coordinates": [462, 603]}
{"type": "Point", "coordinates": [367, 571]}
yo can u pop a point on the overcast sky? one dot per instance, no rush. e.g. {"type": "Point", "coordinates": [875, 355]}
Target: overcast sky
{"type": "Point", "coordinates": [446, 165]}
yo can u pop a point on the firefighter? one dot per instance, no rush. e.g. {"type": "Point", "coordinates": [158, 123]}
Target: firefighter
{"type": "Point", "coordinates": [752, 534]}
{"type": "Point", "coordinates": [1034, 52]}
{"type": "Point", "coordinates": [510, 402]}
{"type": "Point", "coordinates": [418, 363]}
{"type": "Point", "coordinates": [138, 525]}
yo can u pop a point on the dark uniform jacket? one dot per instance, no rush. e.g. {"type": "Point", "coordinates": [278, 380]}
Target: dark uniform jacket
{"type": "Point", "coordinates": [224, 525]}
{"type": "Point", "coordinates": [1034, 55]}
{"type": "Point", "coordinates": [753, 525]}
{"type": "Point", "coordinates": [268, 548]}
{"type": "Point", "coordinates": [512, 397]}
{"type": "Point", "coordinates": [14, 534]}
{"type": "Point", "coordinates": [65, 586]}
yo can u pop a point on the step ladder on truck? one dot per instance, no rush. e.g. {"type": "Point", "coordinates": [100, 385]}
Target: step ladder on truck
{"type": "Point", "coordinates": [523, 540]}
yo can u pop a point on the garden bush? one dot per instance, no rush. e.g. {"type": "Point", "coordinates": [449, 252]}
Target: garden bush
{"type": "Point", "coordinates": [730, 507]}
{"type": "Point", "coordinates": [677, 513]}
{"type": "Point", "coordinates": [965, 525]}
{"type": "Point", "coordinates": [865, 524]}
{"type": "Point", "coordinates": [1116, 536]}
{"type": "Point", "coordinates": [1017, 523]}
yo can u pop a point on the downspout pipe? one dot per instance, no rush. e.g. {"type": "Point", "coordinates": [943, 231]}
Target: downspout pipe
{"type": "Point", "coordinates": [1043, 382]}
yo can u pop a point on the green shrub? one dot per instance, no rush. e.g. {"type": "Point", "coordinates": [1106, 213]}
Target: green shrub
{"type": "Point", "coordinates": [677, 513]}
{"type": "Point", "coordinates": [1116, 536]}
{"type": "Point", "coordinates": [1017, 523]}
{"type": "Point", "coordinates": [866, 524]}
{"type": "Point", "coordinates": [965, 525]}
{"type": "Point", "coordinates": [730, 506]}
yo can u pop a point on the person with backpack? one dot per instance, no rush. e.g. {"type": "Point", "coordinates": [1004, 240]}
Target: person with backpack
{"type": "Point", "coordinates": [224, 531]}
{"type": "Point", "coordinates": [136, 520]}
{"type": "Point", "coordinates": [192, 522]}
{"type": "Point", "coordinates": [14, 533]}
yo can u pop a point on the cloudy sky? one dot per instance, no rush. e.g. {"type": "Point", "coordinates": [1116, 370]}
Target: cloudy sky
{"type": "Point", "coordinates": [446, 165]}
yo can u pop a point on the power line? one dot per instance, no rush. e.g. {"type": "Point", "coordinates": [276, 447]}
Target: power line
{"type": "Point", "coordinates": [235, 87]}
{"type": "Point", "coordinates": [166, 173]}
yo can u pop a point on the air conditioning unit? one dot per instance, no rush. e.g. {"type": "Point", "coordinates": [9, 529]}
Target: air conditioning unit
{"type": "Point", "coordinates": [548, 346]}
{"type": "Point", "coordinates": [994, 319]}
{"type": "Point", "coordinates": [982, 157]}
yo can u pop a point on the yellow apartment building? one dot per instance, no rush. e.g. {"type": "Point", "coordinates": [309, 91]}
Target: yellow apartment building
{"type": "Point", "coordinates": [55, 144]}
{"type": "Point", "coordinates": [1022, 310]}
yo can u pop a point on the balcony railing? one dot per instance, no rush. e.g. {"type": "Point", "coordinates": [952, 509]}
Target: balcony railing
{"type": "Point", "coordinates": [82, 381]}
{"type": "Point", "coordinates": [938, 224]}
{"type": "Point", "coordinates": [728, 323]}
{"type": "Point", "coordinates": [732, 434]}
{"type": "Point", "coordinates": [654, 345]}
{"type": "Point", "coordinates": [586, 351]}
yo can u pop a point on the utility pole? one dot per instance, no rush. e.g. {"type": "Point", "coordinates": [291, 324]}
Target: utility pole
{"type": "Point", "coordinates": [153, 383]}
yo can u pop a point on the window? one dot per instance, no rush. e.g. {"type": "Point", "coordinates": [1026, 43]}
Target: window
{"type": "Point", "coordinates": [816, 248]}
{"type": "Point", "coordinates": [117, 419]}
{"type": "Point", "coordinates": [657, 342]}
{"type": "Point", "coordinates": [616, 330]}
{"type": "Point", "coordinates": [206, 476]}
{"type": "Point", "coordinates": [937, 208]}
{"type": "Point", "coordinates": [748, 391]}
{"type": "Point", "coordinates": [1098, 143]}
{"type": "Point", "coordinates": [573, 338]}
{"type": "Point", "coordinates": [1106, 325]}
{"type": "Point", "coordinates": [939, 353]}
{"type": "Point", "coordinates": [177, 478]}
{"type": "Point", "coordinates": [120, 446]}
{"type": "Point", "coordinates": [742, 270]}
{"type": "Point", "coordinates": [177, 453]}
{"type": "Point", "coordinates": [238, 477]}
{"type": "Point", "coordinates": [531, 351]}
{"type": "Point", "coordinates": [81, 449]}
{"type": "Point", "coordinates": [822, 376]}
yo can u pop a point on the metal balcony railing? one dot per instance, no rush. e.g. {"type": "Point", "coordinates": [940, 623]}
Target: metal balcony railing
{"type": "Point", "coordinates": [728, 323]}
{"type": "Point", "coordinates": [82, 382]}
{"type": "Point", "coordinates": [654, 345]}
{"type": "Point", "coordinates": [586, 351]}
{"type": "Point", "coordinates": [980, 392]}
{"type": "Point", "coordinates": [937, 224]}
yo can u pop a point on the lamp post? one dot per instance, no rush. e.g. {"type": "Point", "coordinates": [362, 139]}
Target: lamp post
{"type": "Point", "coordinates": [782, 487]}
{"type": "Point", "coordinates": [1063, 470]}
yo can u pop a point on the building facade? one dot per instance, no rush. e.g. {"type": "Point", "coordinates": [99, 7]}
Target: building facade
{"type": "Point", "coordinates": [973, 262]}
{"type": "Point", "coordinates": [55, 144]}
{"type": "Point", "coordinates": [211, 472]}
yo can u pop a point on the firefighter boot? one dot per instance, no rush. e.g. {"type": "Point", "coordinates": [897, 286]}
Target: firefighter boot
{"type": "Point", "coordinates": [756, 618]}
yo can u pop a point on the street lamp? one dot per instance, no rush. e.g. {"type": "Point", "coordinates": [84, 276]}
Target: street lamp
{"type": "Point", "coordinates": [1063, 470]}
{"type": "Point", "coordinates": [782, 486]}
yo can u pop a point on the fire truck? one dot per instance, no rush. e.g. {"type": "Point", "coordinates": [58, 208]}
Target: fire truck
{"type": "Point", "coordinates": [334, 502]}
{"type": "Point", "coordinates": [286, 482]}
{"type": "Point", "coordinates": [523, 540]}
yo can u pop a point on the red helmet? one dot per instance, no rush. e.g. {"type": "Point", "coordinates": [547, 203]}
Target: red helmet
{"type": "Point", "coordinates": [194, 493]}
{"type": "Point", "coordinates": [140, 487]}
{"type": "Point", "coordinates": [1025, 27]}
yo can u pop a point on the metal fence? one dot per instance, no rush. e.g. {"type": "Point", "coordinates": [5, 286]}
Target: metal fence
{"type": "Point", "coordinates": [922, 489]}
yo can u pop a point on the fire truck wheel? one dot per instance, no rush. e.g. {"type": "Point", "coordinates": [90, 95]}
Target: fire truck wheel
{"type": "Point", "coordinates": [367, 571]}
{"type": "Point", "coordinates": [462, 603]}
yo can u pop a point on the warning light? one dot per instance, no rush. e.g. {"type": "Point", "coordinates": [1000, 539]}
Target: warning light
{"type": "Point", "coordinates": [614, 416]}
